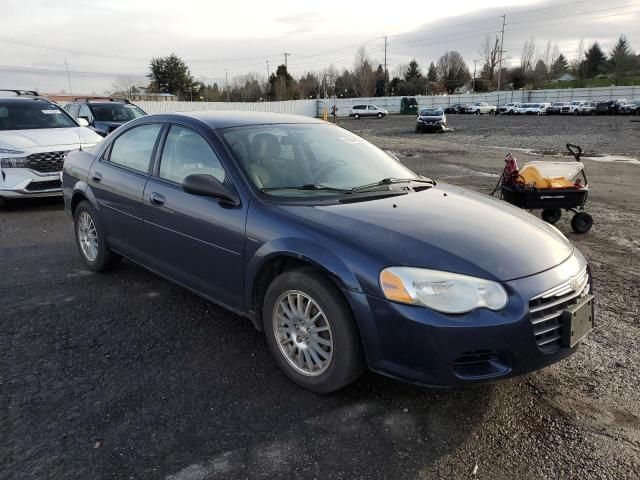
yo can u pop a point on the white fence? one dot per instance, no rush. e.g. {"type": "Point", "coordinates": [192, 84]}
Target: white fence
{"type": "Point", "coordinates": [298, 107]}
{"type": "Point", "coordinates": [392, 104]}
{"type": "Point", "coordinates": [313, 108]}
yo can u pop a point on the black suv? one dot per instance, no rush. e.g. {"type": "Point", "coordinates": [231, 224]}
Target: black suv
{"type": "Point", "coordinates": [103, 115]}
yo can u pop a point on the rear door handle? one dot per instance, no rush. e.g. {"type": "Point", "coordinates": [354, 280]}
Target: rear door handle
{"type": "Point", "coordinates": [96, 177]}
{"type": "Point", "coordinates": [157, 199]}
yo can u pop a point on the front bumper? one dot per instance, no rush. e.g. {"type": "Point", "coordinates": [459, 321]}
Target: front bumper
{"type": "Point", "coordinates": [431, 126]}
{"type": "Point", "coordinates": [24, 182]}
{"type": "Point", "coordinates": [422, 346]}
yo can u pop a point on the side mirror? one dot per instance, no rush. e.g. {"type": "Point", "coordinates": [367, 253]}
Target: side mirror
{"type": "Point", "coordinates": [209, 186]}
{"type": "Point", "coordinates": [83, 122]}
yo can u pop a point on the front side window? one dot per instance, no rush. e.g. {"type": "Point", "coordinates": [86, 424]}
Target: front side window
{"type": "Point", "coordinates": [134, 147]}
{"type": "Point", "coordinates": [187, 153]}
{"type": "Point", "coordinates": [31, 115]}
{"type": "Point", "coordinates": [85, 112]}
{"type": "Point", "coordinates": [281, 158]}
{"type": "Point", "coordinates": [116, 112]}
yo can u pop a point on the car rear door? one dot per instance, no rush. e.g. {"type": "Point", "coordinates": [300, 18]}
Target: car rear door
{"type": "Point", "coordinates": [117, 182]}
{"type": "Point", "coordinates": [195, 240]}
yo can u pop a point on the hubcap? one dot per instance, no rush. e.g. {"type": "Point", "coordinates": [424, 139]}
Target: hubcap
{"type": "Point", "coordinates": [303, 333]}
{"type": "Point", "coordinates": [87, 237]}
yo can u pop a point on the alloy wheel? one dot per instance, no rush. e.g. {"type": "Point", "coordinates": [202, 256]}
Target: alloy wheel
{"type": "Point", "coordinates": [87, 237]}
{"type": "Point", "coordinates": [302, 333]}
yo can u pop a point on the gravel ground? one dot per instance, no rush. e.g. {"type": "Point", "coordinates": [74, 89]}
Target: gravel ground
{"type": "Point", "coordinates": [124, 375]}
{"type": "Point", "coordinates": [599, 135]}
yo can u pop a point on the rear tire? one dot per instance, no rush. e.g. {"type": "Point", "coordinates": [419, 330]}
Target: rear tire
{"type": "Point", "coordinates": [551, 215]}
{"type": "Point", "coordinates": [90, 239]}
{"type": "Point", "coordinates": [321, 355]}
{"type": "Point", "coordinates": [581, 222]}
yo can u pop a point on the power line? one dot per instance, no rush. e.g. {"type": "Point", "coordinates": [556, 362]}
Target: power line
{"type": "Point", "coordinates": [575, 14]}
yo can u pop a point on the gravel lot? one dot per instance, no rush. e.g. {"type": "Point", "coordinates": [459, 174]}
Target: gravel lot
{"type": "Point", "coordinates": [124, 375]}
{"type": "Point", "coordinates": [600, 135]}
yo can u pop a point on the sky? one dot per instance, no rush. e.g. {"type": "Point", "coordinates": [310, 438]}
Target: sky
{"type": "Point", "coordinates": [99, 41]}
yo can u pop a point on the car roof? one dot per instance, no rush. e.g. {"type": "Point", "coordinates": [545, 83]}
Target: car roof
{"type": "Point", "coordinates": [25, 99]}
{"type": "Point", "coordinates": [231, 118]}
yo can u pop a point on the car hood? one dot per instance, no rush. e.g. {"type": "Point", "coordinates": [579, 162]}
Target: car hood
{"type": "Point", "coordinates": [446, 228]}
{"type": "Point", "coordinates": [436, 118]}
{"type": "Point", "coordinates": [48, 137]}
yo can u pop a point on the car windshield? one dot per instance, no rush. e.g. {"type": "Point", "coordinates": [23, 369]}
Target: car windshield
{"type": "Point", "coordinates": [116, 112]}
{"type": "Point", "coordinates": [431, 112]}
{"type": "Point", "coordinates": [302, 160]}
{"type": "Point", "coordinates": [32, 115]}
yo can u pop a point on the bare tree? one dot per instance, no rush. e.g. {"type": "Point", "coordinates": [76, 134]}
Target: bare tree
{"type": "Point", "coordinates": [400, 71]}
{"type": "Point", "coordinates": [490, 52]}
{"type": "Point", "coordinates": [363, 75]}
{"type": "Point", "coordinates": [528, 55]}
{"type": "Point", "coordinates": [452, 71]}
{"type": "Point", "coordinates": [127, 85]}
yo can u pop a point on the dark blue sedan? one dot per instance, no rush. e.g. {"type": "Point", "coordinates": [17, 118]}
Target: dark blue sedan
{"type": "Point", "coordinates": [341, 255]}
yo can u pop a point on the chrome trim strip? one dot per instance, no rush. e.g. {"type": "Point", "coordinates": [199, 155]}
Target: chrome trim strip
{"type": "Point", "coordinates": [549, 340]}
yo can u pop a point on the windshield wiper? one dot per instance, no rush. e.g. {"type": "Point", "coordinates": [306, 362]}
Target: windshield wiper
{"type": "Point", "coordinates": [391, 181]}
{"type": "Point", "coordinates": [308, 186]}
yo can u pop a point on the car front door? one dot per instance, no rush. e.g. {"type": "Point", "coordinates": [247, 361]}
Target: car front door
{"type": "Point", "coordinates": [195, 240]}
{"type": "Point", "coordinates": [117, 182]}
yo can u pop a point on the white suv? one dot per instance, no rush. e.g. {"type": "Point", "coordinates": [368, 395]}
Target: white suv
{"type": "Point", "coordinates": [35, 137]}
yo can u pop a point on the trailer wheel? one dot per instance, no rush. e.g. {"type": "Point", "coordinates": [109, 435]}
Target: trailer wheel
{"type": "Point", "coordinates": [581, 222]}
{"type": "Point", "coordinates": [551, 215]}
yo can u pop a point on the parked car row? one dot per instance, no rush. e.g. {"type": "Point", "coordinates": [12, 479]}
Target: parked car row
{"type": "Point", "coordinates": [576, 107]}
{"type": "Point", "coordinates": [36, 134]}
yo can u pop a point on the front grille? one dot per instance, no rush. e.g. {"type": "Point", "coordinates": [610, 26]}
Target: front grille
{"type": "Point", "coordinates": [546, 310]}
{"type": "Point", "coordinates": [39, 186]}
{"type": "Point", "coordinates": [46, 162]}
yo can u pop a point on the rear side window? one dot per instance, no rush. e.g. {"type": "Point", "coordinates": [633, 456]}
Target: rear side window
{"type": "Point", "coordinates": [133, 148]}
{"type": "Point", "coordinates": [187, 153]}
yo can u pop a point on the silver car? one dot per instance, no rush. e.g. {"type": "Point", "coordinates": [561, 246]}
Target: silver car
{"type": "Point", "coordinates": [358, 111]}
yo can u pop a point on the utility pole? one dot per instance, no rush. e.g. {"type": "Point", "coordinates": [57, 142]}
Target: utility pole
{"type": "Point", "coordinates": [504, 18]}
{"type": "Point", "coordinates": [385, 65]}
{"type": "Point", "coordinates": [68, 76]}
{"type": "Point", "coordinates": [268, 73]}
{"type": "Point", "coordinates": [286, 55]}
{"type": "Point", "coordinates": [474, 75]}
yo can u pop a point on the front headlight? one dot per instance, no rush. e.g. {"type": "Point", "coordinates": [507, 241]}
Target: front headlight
{"type": "Point", "coordinates": [441, 291]}
{"type": "Point", "coordinates": [14, 162]}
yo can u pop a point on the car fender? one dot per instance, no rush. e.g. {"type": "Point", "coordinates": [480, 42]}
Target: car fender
{"type": "Point", "coordinates": [309, 251]}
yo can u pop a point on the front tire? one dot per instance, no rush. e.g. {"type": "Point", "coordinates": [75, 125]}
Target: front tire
{"type": "Point", "coordinates": [90, 239]}
{"type": "Point", "coordinates": [379, 115]}
{"type": "Point", "coordinates": [311, 332]}
{"type": "Point", "coordinates": [357, 116]}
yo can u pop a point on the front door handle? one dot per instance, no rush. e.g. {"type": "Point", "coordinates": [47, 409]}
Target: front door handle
{"type": "Point", "coordinates": [96, 177]}
{"type": "Point", "coordinates": [157, 199]}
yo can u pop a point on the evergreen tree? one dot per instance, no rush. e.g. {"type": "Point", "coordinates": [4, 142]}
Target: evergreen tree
{"type": "Point", "coordinates": [171, 75]}
{"type": "Point", "coordinates": [621, 58]}
{"type": "Point", "coordinates": [432, 74]}
{"type": "Point", "coordinates": [595, 61]}
{"type": "Point", "coordinates": [560, 66]}
{"type": "Point", "coordinates": [413, 72]}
